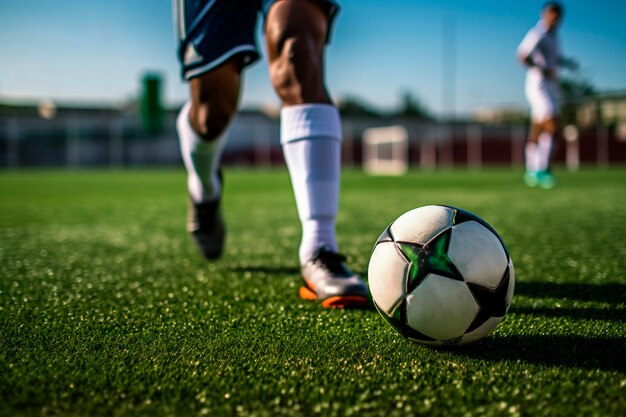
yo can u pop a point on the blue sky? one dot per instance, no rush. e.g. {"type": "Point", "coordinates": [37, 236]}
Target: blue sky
{"type": "Point", "coordinates": [96, 50]}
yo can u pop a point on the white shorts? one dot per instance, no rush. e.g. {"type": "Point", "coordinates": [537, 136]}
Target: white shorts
{"type": "Point", "coordinates": [543, 100]}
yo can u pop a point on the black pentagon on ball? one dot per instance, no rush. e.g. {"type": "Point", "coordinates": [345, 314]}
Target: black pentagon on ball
{"type": "Point", "coordinates": [430, 258]}
{"type": "Point", "coordinates": [491, 302]}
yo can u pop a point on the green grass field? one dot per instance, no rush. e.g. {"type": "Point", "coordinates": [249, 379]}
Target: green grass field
{"type": "Point", "coordinates": [107, 310]}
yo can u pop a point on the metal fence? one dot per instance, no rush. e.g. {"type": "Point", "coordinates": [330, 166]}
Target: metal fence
{"type": "Point", "coordinates": [77, 142]}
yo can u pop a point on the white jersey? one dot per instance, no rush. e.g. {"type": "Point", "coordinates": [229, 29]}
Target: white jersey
{"type": "Point", "coordinates": [542, 47]}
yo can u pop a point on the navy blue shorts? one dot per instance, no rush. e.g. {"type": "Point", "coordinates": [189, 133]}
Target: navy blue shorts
{"type": "Point", "coordinates": [212, 31]}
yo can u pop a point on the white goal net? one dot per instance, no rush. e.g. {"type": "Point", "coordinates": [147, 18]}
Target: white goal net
{"type": "Point", "coordinates": [386, 150]}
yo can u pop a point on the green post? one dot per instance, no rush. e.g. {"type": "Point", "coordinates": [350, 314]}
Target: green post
{"type": "Point", "coordinates": [151, 109]}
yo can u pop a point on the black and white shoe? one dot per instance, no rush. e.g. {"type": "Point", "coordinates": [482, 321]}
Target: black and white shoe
{"type": "Point", "coordinates": [328, 280]}
{"type": "Point", "coordinates": [206, 226]}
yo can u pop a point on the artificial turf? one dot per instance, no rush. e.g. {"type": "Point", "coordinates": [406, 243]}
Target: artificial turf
{"type": "Point", "coordinates": [107, 310]}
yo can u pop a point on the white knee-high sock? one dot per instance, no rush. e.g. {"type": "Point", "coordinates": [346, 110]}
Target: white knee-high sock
{"type": "Point", "coordinates": [531, 157]}
{"type": "Point", "coordinates": [544, 151]}
{"type": "Point", "coordinates": [311, 140]}
{"type": "Point", "coordinates": [201, 158]}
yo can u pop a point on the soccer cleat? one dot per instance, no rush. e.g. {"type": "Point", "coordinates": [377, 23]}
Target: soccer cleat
{"type": "Point", "coordinates": [206, 226]}
{"type": "Point", "coordinates": [545, 180]}
{"type": "Point", "coordinates": [328, 279]}
{"type": "Point", "coordinates": [531, 179]}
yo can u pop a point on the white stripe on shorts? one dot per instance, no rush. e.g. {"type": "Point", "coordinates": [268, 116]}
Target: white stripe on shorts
{"type": "Point", "coordinates": [209, 66]}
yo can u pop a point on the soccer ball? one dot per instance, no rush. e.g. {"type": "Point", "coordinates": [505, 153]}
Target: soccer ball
{"type": "Point", "coordinates": [441, 276]}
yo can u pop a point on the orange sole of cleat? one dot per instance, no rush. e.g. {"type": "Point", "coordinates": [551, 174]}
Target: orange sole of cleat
{"type": "Point", "coordinates": [344, 301]}
{"type": "Point", "coordinates": [335, 302]}
{"type": "Point", "coordinates": [307, 294]}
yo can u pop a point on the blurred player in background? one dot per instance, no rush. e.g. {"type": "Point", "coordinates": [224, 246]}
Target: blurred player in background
{"type": "Point", "coordinates": [539, 52]}
{"type": "Point", "coordinates": [216, 42]}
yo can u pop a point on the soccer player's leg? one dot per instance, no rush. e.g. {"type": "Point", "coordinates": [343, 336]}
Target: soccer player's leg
{"type": "Point", "coordinates": [202, 130]}
{"type": "Point", "coordinates": [216, 41]}
{"type": "Point", "coordinates": [546, 145]}
{"type": "Point", "coordinates": [296, 33]}
{"type": "Point", "coordinates": [540, 144]}
{"type": "Point", "coordinates": [530, 176]}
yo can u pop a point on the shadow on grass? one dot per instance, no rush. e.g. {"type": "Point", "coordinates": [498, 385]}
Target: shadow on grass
{"type": "Point", "coordinates": [583, 313]}
{"type": "Point", "coordinates": [603, 353]}
{"type": "Point", "coordinates": [280, 270]}
{"type": "Point", "coordinates": [609, 293]}
{"type": "Point", "coordinates": [600, 353]}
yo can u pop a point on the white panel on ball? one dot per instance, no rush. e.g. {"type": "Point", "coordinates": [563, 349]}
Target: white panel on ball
{"type": "Point", "coordinates": [387, 274]}
{"type": "Point", "coordinates": [441, 308]}
{"type": "Point", "coordinates": [420, 225]}
{"type": "Point", "coordinates": [482, 330]}
{"type": "Point", "coordinates": [478, 254]}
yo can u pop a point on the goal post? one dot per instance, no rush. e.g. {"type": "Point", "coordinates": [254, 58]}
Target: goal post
{"type": "Point", "coordinates": [386, 150]}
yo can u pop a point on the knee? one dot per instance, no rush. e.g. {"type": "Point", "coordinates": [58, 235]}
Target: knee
{"type": "Point", "coordinates": [551, 126]}
{"type": "Point", "coordinates": [295, 72]}
{"type": "Point", "coordinates": [211, 119]}
{"type": "Point", "coordinates": [535, 131]}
